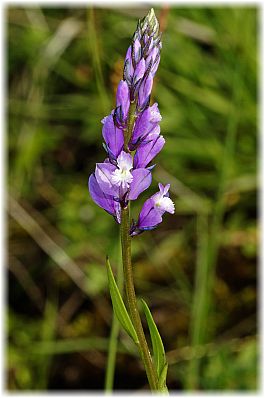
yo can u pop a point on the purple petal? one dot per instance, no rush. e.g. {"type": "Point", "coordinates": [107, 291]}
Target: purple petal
{"type": "Point", "coordinates": [152, 219]}
{"type": "Point", "coordinates": [152, 54]}
{"type": "Point", "coordinates": [142, 179]}
{"type": "Point", "coordinates": [112, 135]}
{"type": "Point", "coordinates": [146, 123]}
{"type": "Point", "coordinates": [148, 47]}
{"type": "Point", "coordinates": [147, 207]}
{"type": "Point", "coordinates": [146, 152]}
{"type": "Point", "coordinates": [154, 57]}
{"type": "Point", "coordinates": [155, 65]}
{"type": "Point", "coordinates": [104, 201]}
{"type": "Point", "coordinates": [139, 71]}
{"type": "Point", "coordinates": [149, 217]}
{"type": "Point", "coordinates": [155, 115]}
{"type": "Point", "coordinates": [145, 90]}
{"type": "Point", "coordinates": [123, 98]}
{"type": "Point", "coordinates": [142, 126]}
{"type": "Point", "coordinates": [137, 50]}
{"type": "Point", "coordinates": [129, 69]}
{"type": "Point", "coordinates": [155, 132]}
{"type": "Point", "coordinates": [103, 176]}
{"type": "Point", "coordinates": [117, 208]}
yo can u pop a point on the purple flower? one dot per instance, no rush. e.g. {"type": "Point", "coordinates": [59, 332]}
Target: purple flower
{"type": "Point", "coordinates": [113, 137]}
{"type": "Point", "coordinates": [103, 200]}
{"type": "Point", "coordinates": [133, 72]}
{"type": "Point", "coordinates": [153, 210]}
{"type": "Point", "coordinates": [153, 58]}
{"type": "Point", "coordinates": [145, 93]}
{"type": "Point", "coordinates": [146, 123]}
{"type": "Point", "coordinates": [148, 150]}
{"type": "Point", "coordinates": [123, 103]}
{"type": "Point", "coordinates": [121, 181]}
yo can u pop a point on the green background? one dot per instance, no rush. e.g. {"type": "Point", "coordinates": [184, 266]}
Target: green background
{"type": "Point", "coordinates": [198, 270]}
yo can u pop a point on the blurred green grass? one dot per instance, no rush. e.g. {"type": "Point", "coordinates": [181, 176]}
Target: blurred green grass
{"type": "Point", "coordinates": [198, 270]}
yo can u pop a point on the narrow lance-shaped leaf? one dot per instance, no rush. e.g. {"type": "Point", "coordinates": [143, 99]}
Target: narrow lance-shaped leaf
{"type": "Point", "coordinates": [163, 379]}
{"type": "Point", "coordinates": [157, 344]}
{"type": "Point", "coordinates": [119, 307]}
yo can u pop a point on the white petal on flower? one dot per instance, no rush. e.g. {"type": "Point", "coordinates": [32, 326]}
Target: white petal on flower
{"type": "Point", "coordinates": [155, 114]}
{"type": "Point", "coordinates": [166, 188]}
{"type": "Point", "coordinates": [104, 119]}
{"type": "Point", "coordinates": [125, 161]}
{"type": "Point", "coordinates": [122, 177]}
{"type": "Point", "coordinates": [165, 204]}
{"type": "Point", "coordinates": [163, 189]}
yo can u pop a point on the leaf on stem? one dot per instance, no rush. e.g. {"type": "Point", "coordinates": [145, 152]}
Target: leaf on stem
{"type": "Point", "coordinates": [119, 307]}
{"type": "Point", "coordinates": [162, 386]}
{"type": "Point", "coordinates": [158, 348]}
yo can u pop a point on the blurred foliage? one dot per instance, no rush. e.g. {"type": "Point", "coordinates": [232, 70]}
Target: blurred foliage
{"type": "Point", "coordinates": [198, 269]}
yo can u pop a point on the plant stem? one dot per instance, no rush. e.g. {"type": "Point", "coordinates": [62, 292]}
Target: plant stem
{"type": "Point", "coordinates": [129, 129]}
{"type": "Point", "coordinates": [131, 299]}
{"type": "Point", "coordinates": [128, 271]}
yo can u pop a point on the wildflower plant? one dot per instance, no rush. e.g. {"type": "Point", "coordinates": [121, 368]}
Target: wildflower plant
{"type": "Point", "coordinates": [132, 139]}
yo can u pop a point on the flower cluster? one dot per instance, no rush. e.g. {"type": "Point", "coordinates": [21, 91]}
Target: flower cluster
{"type": "Point", "coordinates": [133, 128]}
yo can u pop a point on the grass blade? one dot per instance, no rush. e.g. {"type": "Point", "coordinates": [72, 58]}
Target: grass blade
{"type": "Point", "coordinates": [157, 344]}
{"type": "Point", "coordinates": [162, 379]}
{"type": "Point", "coordinates": [119, 307]}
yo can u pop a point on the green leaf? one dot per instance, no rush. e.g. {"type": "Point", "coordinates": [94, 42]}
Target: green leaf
{"type": "Point", "coordinates": [119, 307]}
{"type": "Point", "coordinates": [157, 344]}
{"type": "Point", "coordinates": [162, 386]}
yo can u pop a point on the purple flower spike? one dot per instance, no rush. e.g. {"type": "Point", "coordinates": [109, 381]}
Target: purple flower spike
{"type": "Point", "coordinates": [112, 135]}
{"type": "Point", "coordinates": [126, 173]}
{"type": "Point", "coordinates": [153, 210]}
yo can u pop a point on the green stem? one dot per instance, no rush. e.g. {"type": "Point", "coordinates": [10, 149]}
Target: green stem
{"type": "Point", "coordinates": [129, 129]}
{"type": "Point", "coordinates": [131, 299]}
